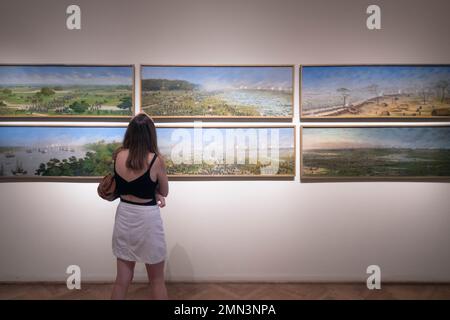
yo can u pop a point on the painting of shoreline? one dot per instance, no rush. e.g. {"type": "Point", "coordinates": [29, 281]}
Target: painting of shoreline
{"type": "Point", "coordinates": [375, 152]}
{"type": "Point", "coordinates": [66, 91]}
{"type": "Point", "coordinates": [375, 91]}
{"type": "Point", "coordinates": [217, 91]}
{"type": "Point", "coordinates": [31, 151]}
{"type": "Point", "coordinates": [72, 152]}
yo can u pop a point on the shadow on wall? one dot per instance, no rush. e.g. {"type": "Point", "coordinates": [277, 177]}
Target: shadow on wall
{"type": "Point", "coordinates": [178, 263]}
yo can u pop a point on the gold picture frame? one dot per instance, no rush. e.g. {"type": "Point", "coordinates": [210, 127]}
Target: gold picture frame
{"type": "Point", "coordinates": [174, 118]}
{"type": "Point", "coordinates": [69, 117]}
{"type": "Point", "coordinates": [391, 151]}
{"type": "Point", "coordinates": [73, 157]}
{"type": "Point", "coordinates": [410, 112]}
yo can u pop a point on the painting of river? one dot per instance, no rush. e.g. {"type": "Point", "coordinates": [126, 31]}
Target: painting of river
{"type": "Point", "coordinates": [375, 152]}
{"type": "Point", "coordinates": [217, 91]}
{"type": "Point", "coordinates": [375, 91]}
{"type": "Point", "coordinates": [30, 151]}
{"type": "Point", "coordinates": [66, 91]}
{"type": "Point", "coordinates": [71, 152]}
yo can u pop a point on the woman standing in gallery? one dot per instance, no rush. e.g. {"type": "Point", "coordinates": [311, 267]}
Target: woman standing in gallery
{"type": "Point", "coordinates": [142, 184]}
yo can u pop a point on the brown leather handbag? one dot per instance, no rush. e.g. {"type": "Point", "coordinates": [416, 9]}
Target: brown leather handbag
{"type": "Point", "coordinates": [107, 188]}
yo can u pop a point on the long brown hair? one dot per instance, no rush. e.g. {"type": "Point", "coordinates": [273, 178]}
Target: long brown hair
{"type": "Point", "coordinates": [140, 139]}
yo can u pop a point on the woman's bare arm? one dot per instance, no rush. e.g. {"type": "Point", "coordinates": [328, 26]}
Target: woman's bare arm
{"type": "Point", "coordinates": [163, 181]}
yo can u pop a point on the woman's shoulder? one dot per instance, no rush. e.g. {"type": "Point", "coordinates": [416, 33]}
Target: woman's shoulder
{"type": "Point", "coordinates": [152, 157]}
{"type": "Point", "coordinates": [159, 160]}
{"type": "Point", "coordinates": [156, 158]}
{"type": "Point", "coordinates": [118, 151]}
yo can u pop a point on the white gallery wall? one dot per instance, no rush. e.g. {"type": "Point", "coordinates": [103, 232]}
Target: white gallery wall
{"type": "Point", "coordinates": [232, 230]}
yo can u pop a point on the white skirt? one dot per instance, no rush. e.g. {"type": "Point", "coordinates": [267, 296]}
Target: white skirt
{"type": "Point", "coordinates": [138, 234]}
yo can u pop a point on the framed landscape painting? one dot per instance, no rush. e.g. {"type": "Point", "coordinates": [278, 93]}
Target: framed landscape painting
{"type": "Point", "coordinates": [83, 152]}
{"type": "Point", "coordinates": [375, 152]}
{"type": "Point", "coordinates": [229, 152]}
{"type": "Point", "coordinates": [53, 92]}
{"type": "Point", "coordinates": [57, 153]}
{"type": "Point", "coordinates": [217, 92]}
{"type": "Point", "coordinates": [375, 92]}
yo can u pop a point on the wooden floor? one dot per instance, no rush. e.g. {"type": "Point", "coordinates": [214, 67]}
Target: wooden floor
{"type": "Point", "coordinates": [227, 291]}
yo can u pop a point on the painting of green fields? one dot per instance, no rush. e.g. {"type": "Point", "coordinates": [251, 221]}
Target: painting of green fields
{"type": "Point", "coordinates": [217, 91]}
{"type": "Point", "coordinates": [73, 152]}
{"type": "Point", "coordinates": [66, 91]}
{"type": "Point", "coordinates": [228, 151]}
{"type": "Point", "coordinates": [375, 152]}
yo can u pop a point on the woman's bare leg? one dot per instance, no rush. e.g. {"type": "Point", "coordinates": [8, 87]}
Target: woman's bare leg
{"type": "Point", "coordinates": [125, 272]}
{"type": "Point", "coordinates": [155, 274]}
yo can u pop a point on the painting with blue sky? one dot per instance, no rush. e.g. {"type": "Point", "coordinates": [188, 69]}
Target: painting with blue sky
{"type": "Point", "coordinates": [228, 151]}
{"type": "Point", "coordinates": [375, 91]}
{"type": "Point", "coordinates": [86, 151]}
{"type": "Point", "coordinates": [66, 91]}
{"type": "Point", "coordinates": [217, 91]}
{"type": "Point", "coordinates": [57, 151]}
{"type": "Point", "coordinates": [352, 152]}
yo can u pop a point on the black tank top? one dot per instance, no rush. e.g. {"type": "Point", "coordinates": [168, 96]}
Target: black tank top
{"type": "Point", "coordinates": [142, 187]}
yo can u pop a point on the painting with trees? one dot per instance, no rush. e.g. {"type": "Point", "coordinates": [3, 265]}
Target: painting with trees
{"type": "Point", "coordinates": [66, 153]}
{"type": "Point", "coordinates": [375, 91]}
{"type": "Point", "coordinates": [217, 91]}
{"type": "Point", "coordinates": [66, 91]}
{"type": "Point", "coordinates": [35, 152]}
{"type": "Point", "coordinates": [374, 152]}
